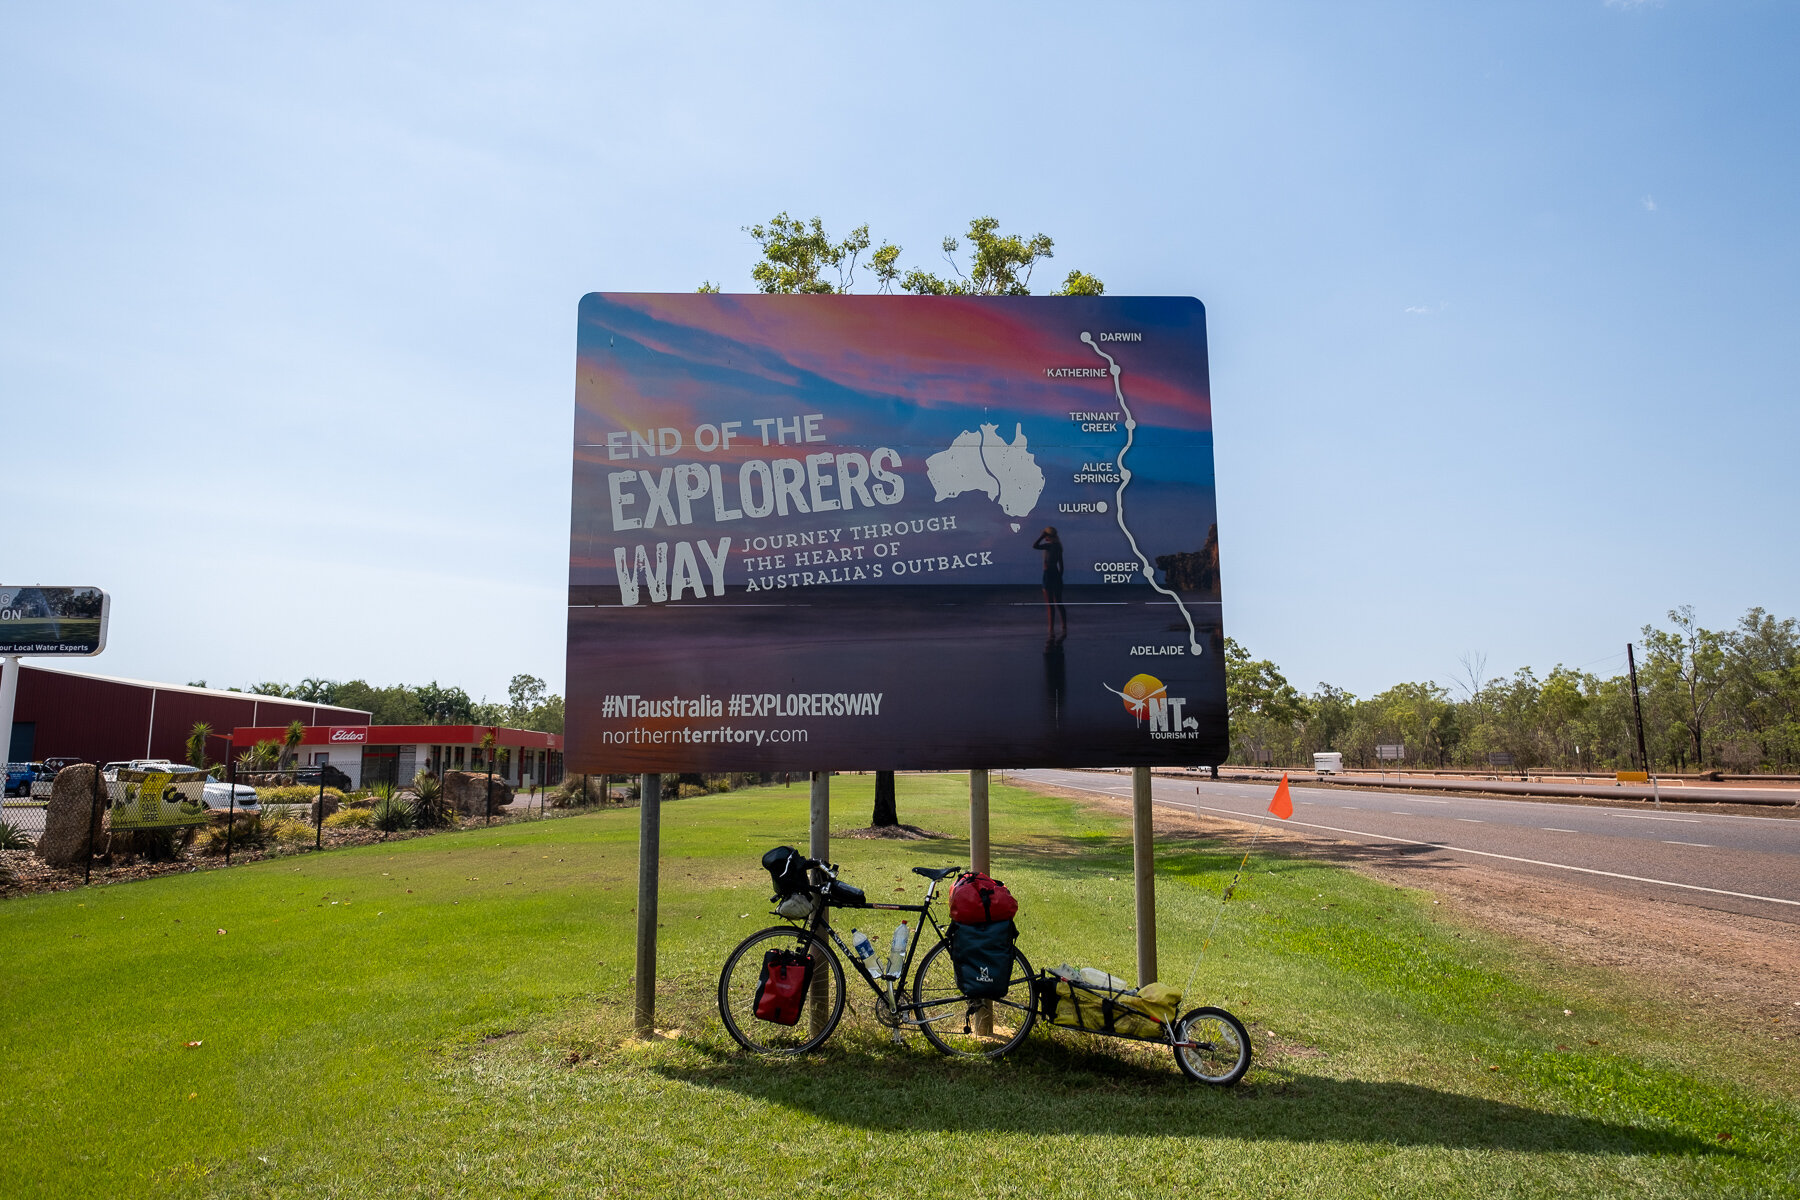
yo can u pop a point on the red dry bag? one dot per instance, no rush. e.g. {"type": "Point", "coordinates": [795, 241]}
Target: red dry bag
{"type": "Point", "coordinates": [977, 899]}
{"type": "Point", "coordinates": [781, 992]}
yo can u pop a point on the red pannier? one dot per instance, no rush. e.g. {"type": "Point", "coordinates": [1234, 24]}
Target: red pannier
{"type": "Point", "coordinates": [781, 992]}
{"type": "Point", "coordinates": [977, 899]}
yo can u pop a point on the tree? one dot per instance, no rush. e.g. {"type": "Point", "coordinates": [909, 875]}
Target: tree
{"type": "Point", "coordinates": [1263, 705]}
{"type": "Point", "coordinates": [525, 693]}
{"type": "Point", "coordinates": [196, 744]}
{"type": "Point", "coordinates": [795, 255]}
{"type": "Point", "coordinates": [290, 753]}
{"type": "Point", "coordinates": [887, 812]}
{"type": "Point", "coordinates": [1688, 662]}
{"type": "Point", "coordinates": [798, 254]}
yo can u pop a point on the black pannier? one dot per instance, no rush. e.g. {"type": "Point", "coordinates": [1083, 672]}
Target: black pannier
{"type": "Point", "coordinates": [983, 957]}
{"type": "Point", "coordinates": [788, 868]}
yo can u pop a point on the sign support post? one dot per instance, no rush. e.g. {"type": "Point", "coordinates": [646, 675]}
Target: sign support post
{"type": "Point", "coordinates": [979, 861]}
{"type": "Point", "coordinates": [818, 847]}
{"type": "Point", "coordinates": [649, 860]}
{"type": "Point", "coordinates": [9, 694]}
{"type": "Point", "coordinates": [1143, 864]}
{"type": "Point", "coordinates": [978, 820]}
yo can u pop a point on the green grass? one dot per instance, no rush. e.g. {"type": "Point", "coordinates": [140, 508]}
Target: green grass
{"type": "Point", "coordinates": [400, 1020]}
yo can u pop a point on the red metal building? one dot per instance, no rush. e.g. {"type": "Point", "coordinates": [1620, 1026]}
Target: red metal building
{"type": "Point", "coordinates": [104, 719]}
{"type": "Point", "coordinates": [371, 754]}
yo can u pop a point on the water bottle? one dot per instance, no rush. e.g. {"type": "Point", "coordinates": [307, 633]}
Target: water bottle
{"type": "Point", "coordinates": [897, 957]}
{"type": "Point", "coordinates": [865, 949]}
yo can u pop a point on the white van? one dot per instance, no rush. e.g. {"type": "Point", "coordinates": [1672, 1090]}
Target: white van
{"type": "Point", "coordinates": [1328, 762]}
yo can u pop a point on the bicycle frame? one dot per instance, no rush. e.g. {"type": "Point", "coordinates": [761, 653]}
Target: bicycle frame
{"type": "Point", "coordinates": [820, 924]}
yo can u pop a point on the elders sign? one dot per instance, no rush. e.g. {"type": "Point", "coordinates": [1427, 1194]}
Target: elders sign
{"type": "Point", "coordinates": [870, 532]}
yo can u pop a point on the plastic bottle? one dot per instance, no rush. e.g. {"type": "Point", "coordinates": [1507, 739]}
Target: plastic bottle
{"type": "Point", "coordinates": [897, 957]}
{"type": "Point", "coordinates": [865, 949]}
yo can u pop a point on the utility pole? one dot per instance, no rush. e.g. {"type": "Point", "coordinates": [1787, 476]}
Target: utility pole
{"type": "Point", "coordinates": [1637, 711]}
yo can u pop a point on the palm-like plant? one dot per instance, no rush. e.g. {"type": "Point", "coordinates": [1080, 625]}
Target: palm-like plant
{"type": "Point", "coordinates": [196, 744]}
{"type": "Point", "coordinates": [290, 753]}
{"type": "Point", "coordinates": [428, 803]}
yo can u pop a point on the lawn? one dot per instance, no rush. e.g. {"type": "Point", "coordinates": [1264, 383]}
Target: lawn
{"type": "Point", "coordinates": [450, 1016]}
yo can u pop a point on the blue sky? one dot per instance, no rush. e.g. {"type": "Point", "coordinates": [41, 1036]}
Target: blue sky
{"type": "Point", "coordinates": [1501, 297]}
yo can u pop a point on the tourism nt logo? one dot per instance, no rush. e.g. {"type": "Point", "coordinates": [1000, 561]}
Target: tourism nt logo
{"type": "Point", "coordinates": [1147, 699]}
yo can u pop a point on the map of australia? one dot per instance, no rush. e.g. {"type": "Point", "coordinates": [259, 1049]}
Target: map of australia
{"type": "Point", "coordinates": [986, 462]}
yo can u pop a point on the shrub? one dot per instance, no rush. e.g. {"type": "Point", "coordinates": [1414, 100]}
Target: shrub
{"type": "Point", "coordinates": [12, 837]}
{"type": "Point", "coordinates": [391, 813]}
{"type": "Point", "coordinates": [428, 801]}
{"type": "Point", "coordinates": [151, 845]}
{"type": "Point", "coordinates": [247, 834]}
{"type": "Point", "coordinates": [274, 814]}
{"type": "Point", "coordinates": [296, 795]}
{"type": "Point", "coordinates": [351, 818]}
{"type": "Point", "coordinates": [382, 791]}
{"type": "Point", "coordinates": [688, 791]}
{"type": "Point", "coordinates": [291, 834]}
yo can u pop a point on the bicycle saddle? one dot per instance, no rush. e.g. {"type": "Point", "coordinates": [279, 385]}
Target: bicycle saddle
{"type": "Point", "coordinates": [937, 873]}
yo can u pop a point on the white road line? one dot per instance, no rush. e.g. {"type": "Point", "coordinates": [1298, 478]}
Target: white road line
{"type": "Point", "coordinates": [1702, 845]}
{"type": "Point", "coordinates": [1471, 821]}
{"type": "Point", "coordinates": [1535, 862]}
{"type": "Point", "coordinates": [1398, 813]}
{"type": "Point", "coordinates": [1554, 829]}
{"type": "Point", "coordinates": [1648, 817]}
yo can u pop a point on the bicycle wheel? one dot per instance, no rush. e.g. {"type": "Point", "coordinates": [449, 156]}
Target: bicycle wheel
{"type": "Point", "coordinates": [824, 1006]}
{"type": "Point", "coordinates": [1212, 1047]}
{"type": "Point", "coordinates": [955, 1024]}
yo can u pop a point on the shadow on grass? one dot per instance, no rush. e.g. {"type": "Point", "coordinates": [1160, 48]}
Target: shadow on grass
{"type": "Point", "coordinates": [1056, 1087]}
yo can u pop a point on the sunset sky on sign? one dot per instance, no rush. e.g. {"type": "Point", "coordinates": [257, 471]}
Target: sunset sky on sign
{"type": "Point", "coordinates": [1500, 299]}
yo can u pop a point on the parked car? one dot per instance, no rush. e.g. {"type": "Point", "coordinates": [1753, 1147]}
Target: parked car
{"type": "Point", "coordinates": [20, 776]}
{"type": "Point", "coordinates": [218, 795]}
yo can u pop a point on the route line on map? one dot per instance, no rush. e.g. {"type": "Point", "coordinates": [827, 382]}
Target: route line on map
{"type": "Point", "coordinates": [1119, 496]}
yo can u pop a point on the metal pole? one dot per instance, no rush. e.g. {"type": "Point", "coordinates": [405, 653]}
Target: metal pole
{"type": "Point", "coordinates": [1143, 864]}
{"type": "Point", "coordinates": [9, 692]}
{"type": "Point", "coordinates": [87, 863]}
{"type": "Point", "coordinates": [231, 803]}
{"type": "Point", "coordinates": [319, 828]}
{"type": "Point", "coordinates": [1637, 711]}
{"type": "Point", "coordinates": [818, 846]}
{"type": "Point", "coordinates": [649, 859]}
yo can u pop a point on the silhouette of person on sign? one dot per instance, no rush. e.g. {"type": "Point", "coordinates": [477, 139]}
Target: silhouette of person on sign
{"type": "Point", "coordinates": [1051, 545]}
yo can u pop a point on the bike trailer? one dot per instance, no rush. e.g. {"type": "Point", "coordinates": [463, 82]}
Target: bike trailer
{"type": "Point", "coordinates": [781, 992]}
{"type": "Point", "coordinates": [983, 957]}
{"type": "Point", "coordinates": [1070, 1001]}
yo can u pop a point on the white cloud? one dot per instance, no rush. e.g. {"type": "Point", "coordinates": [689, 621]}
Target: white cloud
{"type": "Point", "coordinates": [1426, 310]}
{"type": "Point", "coordinates": [1649, 203]}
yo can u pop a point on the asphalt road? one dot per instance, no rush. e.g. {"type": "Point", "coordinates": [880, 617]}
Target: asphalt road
{"type": "Point", "coordinates": [1711, 860]}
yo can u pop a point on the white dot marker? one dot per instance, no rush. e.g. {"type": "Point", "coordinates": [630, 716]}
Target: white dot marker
{"type": "Point", "coordinates": [1100, 507]}
{"type": "Point", "coordinates": [1086, 336]}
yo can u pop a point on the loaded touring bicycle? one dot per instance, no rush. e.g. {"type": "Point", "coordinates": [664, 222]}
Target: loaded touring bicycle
{"type": "Point", "coordinates": [973, 992]}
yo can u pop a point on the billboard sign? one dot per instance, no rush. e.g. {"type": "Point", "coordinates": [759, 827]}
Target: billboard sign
{"type": "Point", "coordinates": [873, 532]}
{"type": "Point", "coordinates": [59, 621]}
{"type": "Point", "coordinates": [157, 799]}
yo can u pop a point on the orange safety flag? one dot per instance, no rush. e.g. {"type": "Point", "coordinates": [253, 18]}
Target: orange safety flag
{"type": "Point", "coordinates": [1283, 804]}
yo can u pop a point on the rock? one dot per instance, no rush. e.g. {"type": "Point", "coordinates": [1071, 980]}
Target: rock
{"type": "Point", "coordinates": [332, 804]}
{"type": "Point", "coordinates": [74, 811]}
{"type": "Point", "coordinates": [465, 791]}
